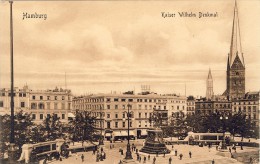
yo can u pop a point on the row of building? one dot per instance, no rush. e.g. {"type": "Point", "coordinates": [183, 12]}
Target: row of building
{"type": "Point", "coordinates": [111, 109]}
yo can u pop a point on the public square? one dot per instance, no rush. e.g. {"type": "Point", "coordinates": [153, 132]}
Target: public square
{"type": "Point", "coordinates": [200, 155]}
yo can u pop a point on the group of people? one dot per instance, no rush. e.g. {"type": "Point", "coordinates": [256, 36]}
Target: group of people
{"type": "Point", "coordinates": [100, 154]}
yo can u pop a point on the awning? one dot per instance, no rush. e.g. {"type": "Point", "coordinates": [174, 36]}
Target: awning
{"type": "Point", "coordinates": [144, 133]}
{"type": "Point", "coordinates": [71, 115]}
{"type": "Point", "coordinates": [108, 135]}
{"type": "Point", "coordinates": [124, 133]}
{"type": "Point", "coordinates": [117, 134]}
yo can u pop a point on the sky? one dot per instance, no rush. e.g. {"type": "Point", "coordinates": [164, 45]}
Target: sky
{"type": "Point", "coordinates": [106, 46]}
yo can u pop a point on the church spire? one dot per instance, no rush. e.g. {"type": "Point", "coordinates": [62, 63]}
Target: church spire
{"type": "Point", "coordinates": [209, 89]}
{"type": "Point", "coordinates": [236, 47]}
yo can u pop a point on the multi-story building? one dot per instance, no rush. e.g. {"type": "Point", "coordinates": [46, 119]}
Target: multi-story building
{"type": "Point", "coordinates": [191, 105]}
{"type": "Point", "coordinates": [248, 105]}
{"type": "Point", "coordinates": [40, 103]}
{"type": "Point", "coordinates": [217, 104]}
{"type": "Point", "coordinates": [112, 110]}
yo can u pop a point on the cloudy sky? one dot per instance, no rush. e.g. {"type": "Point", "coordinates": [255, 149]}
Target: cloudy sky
{"type": "Point", "coordinates": [109, 46]}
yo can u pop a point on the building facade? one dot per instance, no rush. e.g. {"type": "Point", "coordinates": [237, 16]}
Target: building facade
{"type": "Point", "coordinates": [191, 105]}
{"type": "Point", "coordinates": [248, 105]}
{"type": "Point", "coordinates": [112, 110]}
{"type": "Point", "coordinates": [40, 103]}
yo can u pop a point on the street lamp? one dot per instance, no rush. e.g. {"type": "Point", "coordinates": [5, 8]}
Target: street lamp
{"type": "Point", "coordinates": [11, 151]}
{"type": "Point", "coordinates": [223, 118]}
{"type": "Point", "coordinates": [101, 139]}
{"type": "Point", "coordinates": [128, 155]}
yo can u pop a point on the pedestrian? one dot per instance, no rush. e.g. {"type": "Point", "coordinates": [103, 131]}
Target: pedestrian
{"type": "Point", "coordinates": [172, 147]}
{"type": "Point", "coordinates": [137, 156]}
{"type": "Point", "coordinates": [94, 151]}
{"type": "Point", "coordinates": [216, 147]}
{"type": "Point", "coordinates": [110, 146]}
{"type": "Point", "coordinates": [149, 157]}
{"type": "Point", "coordinates": [164, 153]}
{"type": "Point", "coordinates": [101, 149]}
{"type": "Point", "coordinates": [229, 149]}
{"type": "Point", "coordinates": [122, 152]}
{"type": "Point", "coordinates": [82, 158]}
{"type": "Point", "coordinates": [181, 156]}
{"type": "Point", "coordinates": [213, 162]}
{"type": "Point", "coordinates": [170, 160]}
{"type": "Point", "coordinates": [157, 153]}
{"type": "Point", "coordinates": [97, 158]}
{"type": "Point", "coordinates": [60, 159]}
{"type": "Point", "coordinates": [176, 152]}
{"type": "Point", "coordinates": [144, 159]}
{"type": "Point", "coordinates": [190, 154]}
{"type": "Point", "coordinates": [76, 156]}
{"type": "Point", "coordinates": [140, 158]}
{"type": "Point", "coordinates": [154, 159]}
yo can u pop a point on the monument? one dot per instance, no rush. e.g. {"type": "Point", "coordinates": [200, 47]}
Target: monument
{"type": "Point", "coordinates": [154, 143]}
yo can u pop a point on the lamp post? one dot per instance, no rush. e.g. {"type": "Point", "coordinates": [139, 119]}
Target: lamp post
{"type": "Point", "coordinates": [223, 118]}
{"type": "Point", "coordinates": [11, 151]}
{"type": "Point", "coordinates": [101, 138]}
{"type": "Point", "coordinates": [128, 155]}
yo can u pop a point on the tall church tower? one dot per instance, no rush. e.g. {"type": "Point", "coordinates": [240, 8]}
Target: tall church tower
{"type": "Point", "coordinates": [209, 92]}
{"type": "Point", "coordinates": [235, 63]}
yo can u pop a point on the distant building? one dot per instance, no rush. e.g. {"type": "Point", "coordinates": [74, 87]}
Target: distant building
{"type": "Point", "coordinates": [191, 105]}
{"type": "Point", "coordinates": [209, 91]}
{"type": "Point", "coordinates": [112, 108]}
{"type": "Point", "coordinates": [217, 104]}
{"type": "Point", "coordinates": [40, 103]}
{"type": "Point", "coordinates": [248, 105]}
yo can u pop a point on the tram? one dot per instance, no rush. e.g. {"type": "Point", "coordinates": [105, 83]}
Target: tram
{"type": "Point", "coordinates": [34, 152]}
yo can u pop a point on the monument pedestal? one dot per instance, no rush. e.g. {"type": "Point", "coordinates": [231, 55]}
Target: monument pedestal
{"type": "Point", "coordinates": [154, 143]}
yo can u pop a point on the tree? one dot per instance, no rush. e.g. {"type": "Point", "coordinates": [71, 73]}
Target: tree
{"type": "Point", "coordinates": [22, 126]}
{"type": "Point", "coordinates": [238, 124]}
{"type": "Point", "coordinates": [82, 127]}
{"type": "Point", "coordinates": [51, 128]}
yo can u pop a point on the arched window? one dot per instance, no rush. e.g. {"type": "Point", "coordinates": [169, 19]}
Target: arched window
{"type": "Point", "coordinates": [33, 106]}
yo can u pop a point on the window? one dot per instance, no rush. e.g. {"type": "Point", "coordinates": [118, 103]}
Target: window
{"type": "Point", "coordinates": [130, 100]}
{"type": "Point", "coordinates": [63, 116]}
{"type": "Point", "coordinates": [145, 124]}
{"type": "Point", "coordinates": [123, 106]}
{"type": "Point", "coordinates": [33, 97]}
{"type": "Point", "coordinates": [123, 115]}
{"type": "Point", "coordinates": [48, 97]}
{"type": "Point", "coordinates": [254, 108]}
{"type": "Point", "coordinates": [48, 115]}
{"type": "Point", "coordinates": [33, 116]}
{"type": "Point", "coordinates": [139, 106]}
{"type": "Point", "coordinates": [33, 105]}
{"type": "Point", "coordinates": [108, 99]}
{"type": "Point", "coordinates": [41, 106]}
{"type": "Point", "coordinates": [145, 107]}
{"type": "Point", "coordinates": [177, 107]}
{"type": "Point", "coordinates": [116, 124]}
{"type": "Point", "coordinates": [116, 99]}
{"type": "Point", "coordinates": [22, 104]}
{"type": "Point", "coordinates": [63, 97]}
{"type": "Point", "coordinates": [41, 97]}
{"type": "Point", "coordinates": [254, 116]}
{"type": "Point", "coordinates": [123, 124]}
{"type": "Point", "coordinates": [123, 100]}
{"type": "Point", "coordinates": [108, 115]}
{"type": "Point", "coordinates": [56, 98]}
{"type": "Point", "coordinates": [55, 115]}
{"type": "Point", "coordinates": [108, 106]}
{"type": "Point", "coordinates": [130, 125]}
{"type": "Point", "coordinates": [116, 106]}
{"type": "Point", "coordinates": [140, 114]}
{"type": "Point", "coordinates": [108, 124]}
{"type": "Point", "coordinates": [63, 106]}
{"type": "Point", "coordinates": [1, 104]}
{"type": "Point", "coordinates": [20, 94]}
{"type": "Point", "coordinates": [145, 115]}
{"type": "Point", "coordinates": [41, 116]}
{"type": "Point", "coordinates": [140, 124]}
{"type": "Point", "coordinates": [116, 115]}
